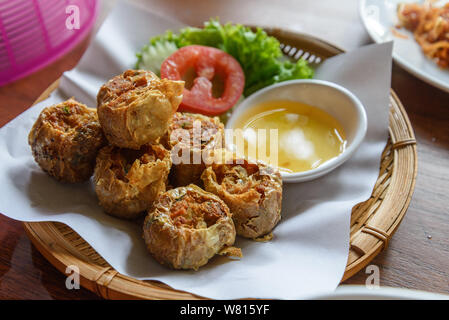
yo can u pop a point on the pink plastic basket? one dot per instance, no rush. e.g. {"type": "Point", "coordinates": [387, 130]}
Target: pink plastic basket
{"type": "Point", "coordinates": [33, 33]}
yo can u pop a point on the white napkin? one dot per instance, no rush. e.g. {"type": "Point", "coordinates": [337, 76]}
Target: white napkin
{"type": "Point", "coordinates": [309, 251]}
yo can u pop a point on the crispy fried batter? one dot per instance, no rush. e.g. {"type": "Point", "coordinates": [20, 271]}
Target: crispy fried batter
{"type": "Point", "coordinates": [252, 191]}
{"type": "Point", "coordinates": [231, 252]}
{"type": "Point", "coordinates": [210, 137]}
{"type": "Point", "coordinates": [135, 108]}
{"type": "Point", "coordinates": [265, 238]}
{"type": "Point", "coordinates": [128, 181]}
{"type": "Point", "coordinates": [65, 140]}
{"type": "Point", "coordinates": [187, 226]}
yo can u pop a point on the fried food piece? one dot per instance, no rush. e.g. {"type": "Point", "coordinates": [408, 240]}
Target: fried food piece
{"type": "Point", "coordinates": [187, 226]}
{"type": "Point", "coordinates": [430, 26]}
{"type": "Point", "coordinates": [190, 136]}
{"type": "Point", "coordinates": [65, 140]}
{"type": "Point", "coordinates": [135, 107]}
{"type": "Point", "coordinates": [231, 252]}
{"type": "Point", "coordinates": [128, 181]}
{"type": "Point", "coordinates": [252, 191]}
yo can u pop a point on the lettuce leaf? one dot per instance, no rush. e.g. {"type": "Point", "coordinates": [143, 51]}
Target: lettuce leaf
{"type": "Point", "coordinates": [152, 55]}
{"type": "Point", "coordinates": [259, 55]}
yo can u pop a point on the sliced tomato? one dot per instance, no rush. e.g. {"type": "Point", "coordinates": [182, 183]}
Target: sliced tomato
{"type": "Point", "coordinates": [208, 63]}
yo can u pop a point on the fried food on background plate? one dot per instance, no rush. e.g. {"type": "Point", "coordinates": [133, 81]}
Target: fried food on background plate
{"type": "Point", "coordinates": [187, 226]}
{"type": "Point", "coordinates": [135, 108]}
{"type": "Point", "coordinates": [252, 191]}
{"type": "Point", "coordinates": [210, 137]}
{"type": "Point", "coordinates": [128, 181]}
{"type": "Point", "coordinates": [65, 140]}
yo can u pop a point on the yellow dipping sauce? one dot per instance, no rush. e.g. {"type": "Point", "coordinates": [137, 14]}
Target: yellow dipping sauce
{"type": "Point", "coordinates": [307, 136]}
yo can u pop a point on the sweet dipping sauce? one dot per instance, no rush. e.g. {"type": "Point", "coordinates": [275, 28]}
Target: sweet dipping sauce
{"type": "Point", "coordinates": [307, 136]}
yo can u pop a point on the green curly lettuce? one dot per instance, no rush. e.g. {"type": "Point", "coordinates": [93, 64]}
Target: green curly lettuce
{"type": "Point", "coordinates": [153, 54]}
{"type": "Point", "coordinates": [259, 55]}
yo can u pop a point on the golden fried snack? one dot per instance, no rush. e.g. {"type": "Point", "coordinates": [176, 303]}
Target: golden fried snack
{"type": "Point", "coordinates": [65, 140]}
{"type": "Point", "coordinates": [135, 107]}
{"type": "Point", "coordinates": [187, 226]}
{"type": "Point", "coordinates": [252, 191]}
{"type": "Point", "coordinates": [190, 136]}
{"type": "Point", "coordinates": [128, 181]}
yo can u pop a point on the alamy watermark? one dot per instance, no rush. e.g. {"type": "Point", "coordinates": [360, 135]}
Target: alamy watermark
{"type": "Point", "coordinates": [373, 280]}
{"type": "Point", "coordinates": [248, 143]}
{"type": "Point", "coordinates": [73, 279]}
{"type": "Point", "coordinates": [73, 19]}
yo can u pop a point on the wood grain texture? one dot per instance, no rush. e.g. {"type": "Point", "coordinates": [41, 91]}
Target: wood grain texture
{"type": "Point", "coordinates": [418, 255]}
{"type": "Point", "coordinates": [25, 274]}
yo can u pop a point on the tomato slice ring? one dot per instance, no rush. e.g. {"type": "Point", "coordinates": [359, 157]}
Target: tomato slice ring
{"type": "Point", "coordinates": [207, 63]}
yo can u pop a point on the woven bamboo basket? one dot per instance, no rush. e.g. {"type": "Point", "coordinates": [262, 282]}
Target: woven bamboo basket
{"type": "Point", "coordinates": [373, 222]}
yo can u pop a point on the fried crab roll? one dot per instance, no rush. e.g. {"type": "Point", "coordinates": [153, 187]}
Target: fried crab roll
{"type": "Point", "coordinates": [65, 140]}
{"type": "Point", "coordinates": [252, 191]}
{"type": "Point", "coordinates": [128, 181]}
{"type": "Point", "coordinates": [135, 108]}
{"type": "Point", "coordinates": [187, 226]}
{"type": "Point", "coordinates": [191, 137]}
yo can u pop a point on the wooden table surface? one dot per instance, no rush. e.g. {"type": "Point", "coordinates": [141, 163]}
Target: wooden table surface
{"type": "Point", "coordinates": [418, 254]}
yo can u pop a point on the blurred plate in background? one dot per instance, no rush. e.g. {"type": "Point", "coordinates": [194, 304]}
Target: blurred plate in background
{"type": "Point", "coordinates": [379, 17]}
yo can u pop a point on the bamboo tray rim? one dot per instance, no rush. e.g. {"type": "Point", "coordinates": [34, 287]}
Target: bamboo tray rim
{"type": "Point", "coordinates": [375, 223]}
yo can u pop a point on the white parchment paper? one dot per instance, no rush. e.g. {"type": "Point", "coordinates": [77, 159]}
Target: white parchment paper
{"type": "Point", "coordinates": [309, 251]}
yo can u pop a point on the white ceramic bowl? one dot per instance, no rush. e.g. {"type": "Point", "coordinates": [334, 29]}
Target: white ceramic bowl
{"type": "Point", "coordinates": [330, 97]}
